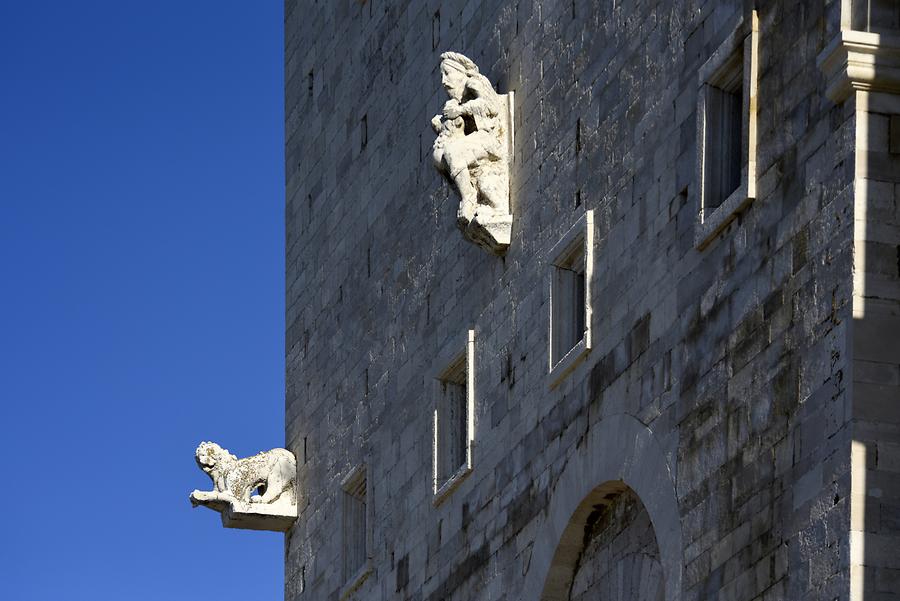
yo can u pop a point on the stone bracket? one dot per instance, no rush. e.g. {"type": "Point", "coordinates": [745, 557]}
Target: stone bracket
{"type": "Point", "coordinates": [254, 493]}
{"type": "Point", "coordinates": [860, 61]}
{"type": "Point", "coordinates": [258, 516]}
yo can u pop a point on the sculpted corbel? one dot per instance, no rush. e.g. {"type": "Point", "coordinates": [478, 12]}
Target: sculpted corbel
{"type": "Point", "coordinates": [256, 493]}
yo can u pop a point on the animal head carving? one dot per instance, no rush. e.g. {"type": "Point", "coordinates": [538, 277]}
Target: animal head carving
{"type": "Point", "coordinates": [209, 455]}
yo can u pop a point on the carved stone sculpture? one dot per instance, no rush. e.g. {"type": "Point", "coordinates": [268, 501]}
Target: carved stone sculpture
{"type": "Point", "coordinates": [472, 151]}
{"type": "Point", "coordinates": [256, 493]}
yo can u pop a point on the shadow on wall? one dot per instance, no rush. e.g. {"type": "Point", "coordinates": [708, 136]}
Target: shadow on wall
{"type": "Point", "coordinates": [619, 555]}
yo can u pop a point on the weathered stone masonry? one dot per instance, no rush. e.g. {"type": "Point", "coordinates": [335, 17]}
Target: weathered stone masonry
{"type": "Point", "coordinates": [742, 398]}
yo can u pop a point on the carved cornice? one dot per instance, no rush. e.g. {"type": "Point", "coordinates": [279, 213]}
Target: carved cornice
{"type": "Point", "coordinates": [859, 60]}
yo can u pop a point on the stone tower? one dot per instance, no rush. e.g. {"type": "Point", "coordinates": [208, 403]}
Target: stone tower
{"type": "Point", "coordinates": [679, 379]}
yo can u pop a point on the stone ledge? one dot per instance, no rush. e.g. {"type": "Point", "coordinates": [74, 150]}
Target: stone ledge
{"type": "Point", "coordinates": [569, 362]}
{"type": "Point", "coordinates": [860, 61]}
{"type": "Point", "coordinates": [490, 231]}
{"type": "Point", "coordinates": [259, 516]}
{"type": "Point", "coordinates": [276, 517]}
{"type": "Point", "coordinates": [712, 224]}
{"type": "Point", "coordinates": [444, 490]}
{"type": "Point", "coordinates": [356, 580]}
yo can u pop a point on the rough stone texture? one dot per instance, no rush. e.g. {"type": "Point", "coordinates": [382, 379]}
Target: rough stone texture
{"type": "Point", "coordinates": [620, 560]}
{"type": "Point", "coordinates": [725, 387]}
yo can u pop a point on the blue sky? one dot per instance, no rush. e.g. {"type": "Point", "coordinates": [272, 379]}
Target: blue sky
{"type": "Point", "coordinates": [141, 292]}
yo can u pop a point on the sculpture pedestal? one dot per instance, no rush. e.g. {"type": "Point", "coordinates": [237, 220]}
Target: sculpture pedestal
{"type": "Point", "coordinates": [277, 517]}
{"type": "Point", "coordinates": [490, 232]}
{"type": "Point", "coordinates": [259, 516]}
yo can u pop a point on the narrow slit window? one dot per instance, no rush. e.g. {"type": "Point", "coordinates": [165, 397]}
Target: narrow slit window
{"type": "Point", "coordinates": [436, 30]}
{"type": "Point", "coordinates": [569, 308]}
{"type": "Point", "coordinates": [452, 424]}
{"type": "Point", "coordinates": [726, 130]}
{"type": "Point", "coordinates": [722, 144]}
{"type": "Point", "coordinates": [454, 421]}
{"type": "Point", "coordinates": [355, 525]}
{"type": "Point", "coordinates": [570, 302]}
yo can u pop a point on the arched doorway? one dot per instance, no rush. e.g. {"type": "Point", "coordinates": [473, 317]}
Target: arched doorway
{"type": "Point", "coordinates": [612, 529]}
{"type": "Point", "coordinates": [619, 560]}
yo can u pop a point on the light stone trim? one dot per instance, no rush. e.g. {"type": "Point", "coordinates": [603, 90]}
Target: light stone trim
{"type": "Point", "coordinates": [860, 61]}
{"type": "Point", "coordinates": [619, 451]}
{"type": "Point", "coordinates": [712, 222]}
{"type": "Point", "coordinates": [580, 235]}
{"type": "Point", "coordinates": [443, 489]}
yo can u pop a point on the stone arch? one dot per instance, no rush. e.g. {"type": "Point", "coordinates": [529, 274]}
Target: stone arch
{"type": "Point", "coordinates": [619, 453]}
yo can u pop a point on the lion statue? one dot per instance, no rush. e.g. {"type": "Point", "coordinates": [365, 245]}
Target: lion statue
{"type": "Point", "coordinates": [271, 474]}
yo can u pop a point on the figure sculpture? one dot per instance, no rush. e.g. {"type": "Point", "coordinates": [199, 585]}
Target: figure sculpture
{"type": "Point", "coordinates": [472, 151]}
{"type": "Point", "coordinates": [270, 474]}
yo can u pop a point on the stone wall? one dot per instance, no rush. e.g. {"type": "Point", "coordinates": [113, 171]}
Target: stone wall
{"type": "Point", "coordinates": [732, 360]}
